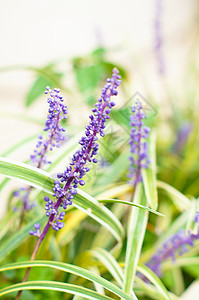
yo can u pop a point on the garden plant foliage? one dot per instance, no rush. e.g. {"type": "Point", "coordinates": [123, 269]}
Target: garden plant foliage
{"type": "Point", "coordinates": [120, 218]}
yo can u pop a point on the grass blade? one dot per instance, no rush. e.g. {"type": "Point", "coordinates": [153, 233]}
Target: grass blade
{"type": "Point", "coordinates": [149, 175]}
{"type": "Point", "coordinates": [180, 200]}
{"type": "Point", "coordinates": [111, 265]}
{"type": "Point", "coordinates": [155, 280]}
{"type": "Point", "coordinates": [136, 231]}
{"type": "Point", "coordinates": [42, 180]}
{"type": "Point", "coordinates": [71, 269]}
{"type": "Point", "coordinates": [131, 204]}
{"type": "Point", "coordinates": [54, 286]}
{"type": "Point", "coordinates": [109, 262]}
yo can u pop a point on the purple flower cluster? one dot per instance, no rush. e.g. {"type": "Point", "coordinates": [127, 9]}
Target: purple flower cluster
{"type": "Point", "coordinates": [138, 145]}
{"type": "Point", "coordinates": [57, 112]}
{"type": "Point", "coordinates": [68, 181]}
{"type": "Point", "coordinates": [178, 244]}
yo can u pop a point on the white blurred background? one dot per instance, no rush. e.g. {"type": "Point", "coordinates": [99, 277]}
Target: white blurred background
{"type": "Point", "coordinates": [36, 32]}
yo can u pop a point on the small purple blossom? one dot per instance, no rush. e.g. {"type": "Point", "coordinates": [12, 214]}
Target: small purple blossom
{"type": "Point", "coordinates": [178, 244]}
{"type": "Point", "coordinates": [66, 186]}
{"type": "Point", "coordinates": [138, 144]}
{"type": "Point", "coordinates": [56, 113]}
{"type": "Point", "coordinates": [36, 232]}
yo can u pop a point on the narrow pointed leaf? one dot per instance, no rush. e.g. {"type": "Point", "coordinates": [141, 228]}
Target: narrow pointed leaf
{"type": "Point", "coordinates": [180, 200]}
{"type": "Point", "coordinates": [131, 204]}
{"type": "Point", "coordinates": [155, 280]}
{"type": "Point", "coordinates": [109, 262]}
{"type": "Point", "coordinates": [149, 175]}
{"type": "Point", "coordinates": [42, 180]}
{"type": "Point", "coordinates": [71, 269]}
{"type": "Point", "coordinates": [54, 286]}
{"type": "Point", "coordinates": [136, 232]}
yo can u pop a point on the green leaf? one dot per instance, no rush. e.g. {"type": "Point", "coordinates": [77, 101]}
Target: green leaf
{"type": "Point", "coordinates": [88, 77]}
{"type": "Point", "coordinates": [71, 269]}
{"type": "Point", "coordinates": [109, 262]}
{"type": "Point", "coordinates": [14, 241]}
{"type": "Point", "coordinates": [111, 265]}
{"type": "Point", "coordinates": [99, 213]}
{"type": "Point", "coordinates": [37, 89]}
{"type": "Point", "coordinates": [136, 232]}
{"type": "Point", "coordinates": [149, 175]}
{"type": "Point", "coordinates": [116, 169]}
{"type": "Point", "coordinates": [131, 204]}
{"type": "Point", "coordinates": [150, 290]}
{"type": "Point", "coordinates": [42, 180]}
{"type": "Point", "coordinates": [26, 173]}
{"type": "Point", "coordinates": [54, 286]}
{"type": "Point", "coordinates": [180, 200]}
{"type": "Point", "coordinates": [46, 76]}
{"type": "Point", "coordinates": [155, 280]}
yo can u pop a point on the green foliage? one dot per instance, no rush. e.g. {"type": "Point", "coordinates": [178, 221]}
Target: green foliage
{"type": "Point", "coordinates": [111, 230]}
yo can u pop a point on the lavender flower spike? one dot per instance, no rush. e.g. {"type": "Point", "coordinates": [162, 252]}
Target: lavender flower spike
{"type": "Point", "coordinates": [72, 176]}
{"type": "Point", "coordinates": [57, 112]}
{"type": "Point", "coordinates": [178, 244]}
{"type": "Point", "coordinates": [139, 147]}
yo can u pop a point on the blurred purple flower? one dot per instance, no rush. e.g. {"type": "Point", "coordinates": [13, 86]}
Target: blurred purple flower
{"type": "Point", "coordinates": [139, 147]}
{"type": "Point", "coordinates": [158, 37]}
{"type": "Point", "coordinates": [178, 244]}
{"type": "Point", "coordinates": [182, 136]}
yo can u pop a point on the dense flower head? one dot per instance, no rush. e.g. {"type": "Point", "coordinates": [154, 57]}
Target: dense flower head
{"type": "Point", "coordinates": [66, 186]}
{"type": "Point", "coordinates": [56, 113]}
{"type": "Point", "coordinates": [138, 144]}
{"type": "Point", "coordinates": [178, 244]}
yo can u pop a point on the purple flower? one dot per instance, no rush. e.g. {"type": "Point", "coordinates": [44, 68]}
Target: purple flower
{"type": "Point", "coordinates": [36, 232]}
{"type": "Point", "coordinates": [182, 136]}
{"type": "Point", "coordinates": [66, 185]}
{"type": "Point", "coordinates": [57, 112]}
{"type": "Point", "coordinates": [138, 144]}
{"type": "Point", "coordinates": [175, 245]}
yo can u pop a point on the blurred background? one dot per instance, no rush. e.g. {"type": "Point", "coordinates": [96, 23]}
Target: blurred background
{"type": "Point", "coordinates": [74, 45]}
{"type": "Point", "coordinates": [153, 40]}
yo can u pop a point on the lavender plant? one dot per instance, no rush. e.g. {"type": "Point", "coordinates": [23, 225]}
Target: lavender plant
{"type": "Point", "coordinates": [56, 113]}
{"type": "Point", "coordinates": [138, 145]}
{"type": "Point", "coordinates": [66, 187]}
{"type": "Point", "coordinates": [84, 248]}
